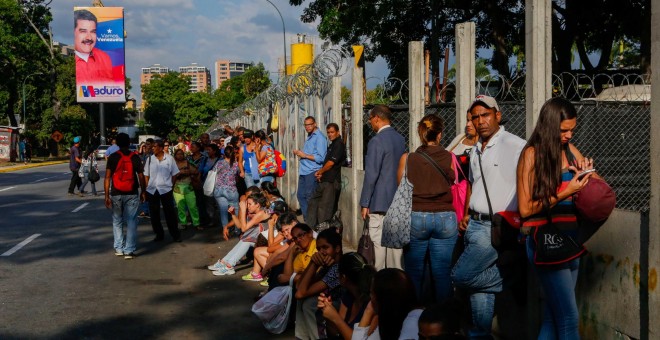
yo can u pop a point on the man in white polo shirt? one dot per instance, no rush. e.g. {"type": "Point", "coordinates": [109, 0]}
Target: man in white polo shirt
{"type": "Point", "coordinates": [159, 172]}
{"type": "Point", "coordinates": [497, 153]}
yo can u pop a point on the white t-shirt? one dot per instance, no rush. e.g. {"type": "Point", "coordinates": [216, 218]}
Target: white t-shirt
{"type": "Point", "coordinates": [160, 173]}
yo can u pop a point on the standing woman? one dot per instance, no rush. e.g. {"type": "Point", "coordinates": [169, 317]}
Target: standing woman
{"type": "Point", "coordinates": [89, 165]}
{"type": "Point", "coordinates": [184, 194]}
{"type": "Point", "coordinates": [266, 157]}
{"type": "Point", "coordinates": [197, 158]}
{"type": "Point", "coordinates": [433, 226]}
{"type": "Point", "coordinates": [212, 157]}
{"type": "Point", "coordinates": [225, 192]}
{"type": "Point", "coordinates": [546, 183]}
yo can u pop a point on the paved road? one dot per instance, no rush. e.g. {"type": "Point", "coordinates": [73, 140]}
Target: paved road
{"type": "Point", "coordinates": [67, 283]}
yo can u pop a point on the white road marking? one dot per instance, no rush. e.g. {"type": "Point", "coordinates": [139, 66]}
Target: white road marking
{"type": "Point", "coordinates": [7, 188]}
{"type": "Point", "coordinates": [80, 207]}
{"type": "Point", "coordinates": [43, 179]}
{"type": "Point", "coordinates": [20, 245]}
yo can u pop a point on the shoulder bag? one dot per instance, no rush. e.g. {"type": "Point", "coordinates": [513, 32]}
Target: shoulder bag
{"type": "Point", "coordinates": [458, 189]}
{"type": "Point", "coordinates": [396, 224]}
{"type": "Point", "coordinates": [594, 203]}
{"type": "Point", "coordinates": [209, 183]}
{"type": "Point", "coordinates": [366, 245]}
{"type": "Point", "coordinates": [505, 225]}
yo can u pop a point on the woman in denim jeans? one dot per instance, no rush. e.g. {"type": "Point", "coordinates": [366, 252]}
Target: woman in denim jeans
{"type": "Point", "coordinates": [546, 184]}
{"type": "Point", "coordinates": [225, 191]}
{"type": "Point", "coordinates": [433, 228]}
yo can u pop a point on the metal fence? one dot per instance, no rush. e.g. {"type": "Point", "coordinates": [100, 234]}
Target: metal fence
{"type": "Point", "coordinates": [615, 134]}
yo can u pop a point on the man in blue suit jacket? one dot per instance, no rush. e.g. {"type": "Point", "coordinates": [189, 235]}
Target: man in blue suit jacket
{"type": "Point", "coordinates": [380, 181]}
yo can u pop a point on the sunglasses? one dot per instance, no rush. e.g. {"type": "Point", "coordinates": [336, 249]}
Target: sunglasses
{"type": "Point", "coordinates": [166, 145]}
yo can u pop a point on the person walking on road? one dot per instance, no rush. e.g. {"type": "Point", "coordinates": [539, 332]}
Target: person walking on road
{"type": "Point", "coordinates": [124, 169]}
{"type": "Point", "coordinates": [380, 182]}
{"type": "Point", "coordinates": [160, 172]}
{"type": "Point", "coordinates": [311, 160]}
{"type": "Point", "coordinates": [75, 160]}
{"type": "Point", "coordinates": [89, 165]}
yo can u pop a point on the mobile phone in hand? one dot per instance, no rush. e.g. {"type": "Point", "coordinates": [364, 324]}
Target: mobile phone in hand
{"type": "Point", "coordinates": [584, 173]}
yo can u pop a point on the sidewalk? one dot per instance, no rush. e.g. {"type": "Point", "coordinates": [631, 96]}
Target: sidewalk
{"type": "Point", "coordinates": [15, 166]}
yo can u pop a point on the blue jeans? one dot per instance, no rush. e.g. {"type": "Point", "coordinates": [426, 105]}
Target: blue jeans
{"type": "Point", "coordinates": [477, 272]}
{"type": "Point", "coordinates": [225, 199]}
{"type": "Point", "coordinates": [124, 209]}
{"type": "Point", "coordinates": [560, 312]}
{"type": "Point", "coordinates": [306, 186]}
{"type": "Point", "coordinates": [266, 179]}
{"type": "Point", "coordinates": [249, 181]}
{"type": "Point", "coordinates": [235, 254]}
{"type": "Point", "coordinates": [437, 233]}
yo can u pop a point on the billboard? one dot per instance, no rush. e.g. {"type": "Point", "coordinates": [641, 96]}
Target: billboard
{"type": "Point", "coordinates": [98, 35]}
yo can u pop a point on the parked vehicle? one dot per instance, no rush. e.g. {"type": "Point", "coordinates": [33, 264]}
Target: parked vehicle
{"type": "Point", "coordinates": [100, 151]}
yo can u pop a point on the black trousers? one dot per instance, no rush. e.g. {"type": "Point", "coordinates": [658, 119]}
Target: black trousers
{"type": "Point", "coordinates": [323, 203]}
{"type": "Point", "coordinates": [75, 181]}
{"type": "Point", "coordinates": [167, 201]}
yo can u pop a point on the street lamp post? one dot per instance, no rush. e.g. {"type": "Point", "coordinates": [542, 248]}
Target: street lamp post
{"type": "Point", "coordinates": [24, 117]}
{"type": "Point", "coordinates": [283, 33]}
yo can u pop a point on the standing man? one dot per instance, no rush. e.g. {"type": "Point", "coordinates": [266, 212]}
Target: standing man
{"type": "Point", "coordinates": [125, 169]}
{"type": "Point", "coordinates": [380, 182]}
{"type": "Point", "coordinates": [160, 172]}
{"type": "Point", "coordinates": [111, 149]}
{"type": "Point", "coordinates": [74, 165]}
{"type": "Point", "coordinates": [323, 203]}
{"type": "Point", "coordinates": [311, 159]}
{"type": "Point", "coordinates": [495, 154]}
{"type": "Point", "coordinates": [92, 64]}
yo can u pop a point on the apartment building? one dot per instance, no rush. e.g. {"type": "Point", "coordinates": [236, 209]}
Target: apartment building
{"type": "Point", "coordinates": [200, 77]}
{"type": "Point", "coordinates": [146, 75]}
{"type": "Point", "coordinates": [226, 69]}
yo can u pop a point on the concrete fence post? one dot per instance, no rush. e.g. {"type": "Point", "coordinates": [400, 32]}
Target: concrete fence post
{"type": "Point", "coordinates": [465, 71]}
{"type": "Point", "coordinates": [538, 49]}
{"type": "Point", "coordinates": [653, 222]}
{"type": "Point", "coordinates": [357, 123]}
{"type": "Point", "coordinates": [416, 83]}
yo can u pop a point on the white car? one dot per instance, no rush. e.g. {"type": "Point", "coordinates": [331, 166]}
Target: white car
{"type": "Point", "coordinates": [100, 151]}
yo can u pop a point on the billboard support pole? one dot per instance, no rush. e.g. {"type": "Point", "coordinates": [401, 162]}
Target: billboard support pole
{"type": "Point", "coordinates": [102, 122]}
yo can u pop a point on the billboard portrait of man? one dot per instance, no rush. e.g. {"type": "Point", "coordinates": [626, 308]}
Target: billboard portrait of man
{"type": "Point", "coordinates": [92, 64]}
{"type": "Point", "coordinates": [98, 34]}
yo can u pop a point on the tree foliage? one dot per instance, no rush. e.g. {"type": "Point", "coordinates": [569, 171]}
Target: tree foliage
{"type": "Point", "coordinates": [386, 26]}
{"type": "Point", "coordinates": [237, 90]}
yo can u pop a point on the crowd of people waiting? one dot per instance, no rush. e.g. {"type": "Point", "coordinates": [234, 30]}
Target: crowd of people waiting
{"type": "Point", "coordinates": [342, 295]}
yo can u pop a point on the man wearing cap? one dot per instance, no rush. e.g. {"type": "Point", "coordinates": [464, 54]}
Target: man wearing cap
{"type": "Point", "coordinates": [493, 161]}
{"type": "Point", "coordinates": [74, 166]}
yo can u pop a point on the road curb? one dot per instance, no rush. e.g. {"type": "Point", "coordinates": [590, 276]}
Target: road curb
{"type": "Point", "coordinates": [28, 166]}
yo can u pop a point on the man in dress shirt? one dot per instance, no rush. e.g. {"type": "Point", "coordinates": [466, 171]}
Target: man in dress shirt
{"type": "Point", "coordinates": [311, 160]}
{"type": "Point", "coordinates": [159, 172]}
{"type": "Point", "coordinates": [92, 64]}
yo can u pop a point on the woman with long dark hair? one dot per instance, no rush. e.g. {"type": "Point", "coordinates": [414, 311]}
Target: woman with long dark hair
{"type": "Point", "coordinates": [355, 276]}
{"type": "Point", "coordinates": [546, 182]}
{"type": "Point", "coordinates": [393, 310]}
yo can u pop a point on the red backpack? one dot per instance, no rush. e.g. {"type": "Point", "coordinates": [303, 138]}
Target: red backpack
{"type": "Point", "coordinates": [123, 179]}
{"type": "Point", "coordinates": [281, 164]}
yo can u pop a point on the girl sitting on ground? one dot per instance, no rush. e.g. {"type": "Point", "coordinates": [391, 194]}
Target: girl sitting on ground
{"type": "Point", "coordinates": [392, 312]}
{"type": "Point", "coordinates": [276, 238]}
{"type": "Point", "coordinates": [320, 276]}
{"type": "Point", "coordinates": [355, 276]}
{"type": "Point", "coordinates": [252, 220]}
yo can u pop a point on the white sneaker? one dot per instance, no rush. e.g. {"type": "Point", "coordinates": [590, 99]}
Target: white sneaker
{"type": "Point", "coordinates": [216, 266]}
{"type": "Point", "coordinates": [224, 271]}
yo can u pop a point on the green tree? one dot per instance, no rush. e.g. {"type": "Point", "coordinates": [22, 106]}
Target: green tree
{"type": "Point", "coordinates": [236, 91]}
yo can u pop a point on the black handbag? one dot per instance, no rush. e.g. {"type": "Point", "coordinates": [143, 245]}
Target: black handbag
{"type": "Point", "coordinates": [93, 175]}
{"type": "Point", "coordinates": [366, 245]}
{"type": "Point", "coordinates": [553, 247]}
{"type": "Point", "coordinates": [505, 225]}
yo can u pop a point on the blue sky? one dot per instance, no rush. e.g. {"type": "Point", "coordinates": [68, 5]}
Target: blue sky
{"type": "Point", "coordinates": [176, 33]}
